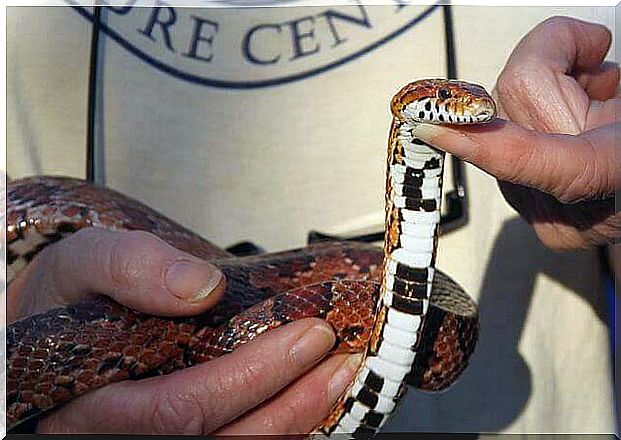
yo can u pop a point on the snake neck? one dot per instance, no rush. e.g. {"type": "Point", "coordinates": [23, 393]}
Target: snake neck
{"type": "Point", "coordinates": [413, 197]}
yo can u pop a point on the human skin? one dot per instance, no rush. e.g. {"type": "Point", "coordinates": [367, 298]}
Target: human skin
{"type": "Point", "coordinates": [553, 148]}
{"type": "Point", "coordinates": [554, 155]}
{"type": "Point", "coordinates": [279, 383]}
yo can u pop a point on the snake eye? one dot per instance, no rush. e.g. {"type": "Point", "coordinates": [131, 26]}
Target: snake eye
{"type": "Point", "coordinates": [444, 94]}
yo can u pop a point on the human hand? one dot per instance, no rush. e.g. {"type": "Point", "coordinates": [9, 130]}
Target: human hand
{"type": "Point", "coordinates": [264, 387]}
{"type": "Point", "coordinates": [554, 154]}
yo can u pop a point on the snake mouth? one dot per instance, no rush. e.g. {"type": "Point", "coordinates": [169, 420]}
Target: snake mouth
{"type": "Point", "coordinates": [483, 111]}
{"type": "Point", "coordinates": [449, 112]}
{"type": "Point", "coordinates": [474, 111]}
{"type": "Point", "coordinates": [484, 117]}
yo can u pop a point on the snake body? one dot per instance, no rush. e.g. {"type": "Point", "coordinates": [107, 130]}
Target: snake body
{"type": "Point", "coordinates": [416, 326]}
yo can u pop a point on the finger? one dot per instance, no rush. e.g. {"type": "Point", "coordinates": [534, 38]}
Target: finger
{"type": "Point", "coordinates": [571, 168]}
{"type": "Point", "coordinates": [535, 88]}
{"type": "Point", "coordinates": [135, 268]}
{"type": "Point", "coordinates": [564, 43]}
{"type": "Point", "coordinates": [303, 405]}
{"type": "Point", "coordinates": [603, 112]}
{"type": "Point", "coordinates": [200, 399]}
{"type": "Point", "coordinates": [599, 82]}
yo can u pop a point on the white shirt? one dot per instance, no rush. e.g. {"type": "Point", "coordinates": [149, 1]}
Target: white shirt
{"type": "Point", "coordinates": [268, 164]}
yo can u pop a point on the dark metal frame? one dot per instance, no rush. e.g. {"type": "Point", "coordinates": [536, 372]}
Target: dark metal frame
{"type": "Point", "coordinates": [92, 96]}
{"type": "Point", "coordinates": [456, 201]}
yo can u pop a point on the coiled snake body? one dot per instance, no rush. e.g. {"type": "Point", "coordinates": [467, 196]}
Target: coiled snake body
{"type": "Point", "coordinates": [416, 326]}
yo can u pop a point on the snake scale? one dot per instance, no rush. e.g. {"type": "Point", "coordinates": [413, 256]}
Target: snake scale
{"type": "Point", "coordinates": [416, 326]}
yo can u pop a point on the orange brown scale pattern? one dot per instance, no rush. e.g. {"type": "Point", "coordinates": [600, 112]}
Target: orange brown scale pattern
{"type": "Point", "coordinates": [61, 354]}
{"type": "Point", "coordinates": [100, 342]}
{"type": "Point", "coordinates": [49, 205]}
{"type": "Point", "coordinates": [347, 305]}
{"type": "Point", "coordinates": [391, 240]}
{"type": "Point", "coordinates": [463, 94]}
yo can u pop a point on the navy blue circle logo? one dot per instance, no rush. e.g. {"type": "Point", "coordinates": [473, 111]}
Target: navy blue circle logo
{"type": "Point", "coordinates": [246, 48]}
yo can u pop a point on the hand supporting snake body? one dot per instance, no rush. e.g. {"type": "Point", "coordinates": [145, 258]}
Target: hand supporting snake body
{"type": "Point", "coordinates": [415, 326]}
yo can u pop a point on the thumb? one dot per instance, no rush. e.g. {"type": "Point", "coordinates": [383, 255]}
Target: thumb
{"type": "Point", "coordinates": [135, 268]}
{"type": "Point", "coordinates": [571, 168]}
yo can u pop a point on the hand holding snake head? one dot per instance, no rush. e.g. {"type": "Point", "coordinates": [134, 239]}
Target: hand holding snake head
{"type": "Point", "coordinates": [559, 122]}
{"type": "Point", "coordinates": [441, 101]}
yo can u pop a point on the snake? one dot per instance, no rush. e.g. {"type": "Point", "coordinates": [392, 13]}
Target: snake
{"type": "Point", "coordinates": [415, 326]}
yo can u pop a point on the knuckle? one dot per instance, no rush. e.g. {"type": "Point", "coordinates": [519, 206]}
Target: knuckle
{"type": "Point", "coordinates": [519, 78]}
{"type": "Point", "coordinates": [175, 413]}
{"type": "Point", "coordinates": [199, 407]}
{"type": "Point", "coordinates": [557, 20]}
{"type": "Point", "coordinates": [588, 180]}
{"type": "Point", "coordinates": [283, 420]}
{"type": "Point", "coordinates": [514, 86]}
{"type": "Point", "coordinates": [128, 255]}
{"type": "Point", "coordinates": [250, 373]}
{"type": "Point", "coordinates": [557, 25]}
{"type": "Point", "coordinates": [234, 383]}
{"type": "Point", "coordinates": [513, 80]}
{"type": "Point", "coordinates": [524, 161]}
{"type": "Point", "coordinates": [223, 380]}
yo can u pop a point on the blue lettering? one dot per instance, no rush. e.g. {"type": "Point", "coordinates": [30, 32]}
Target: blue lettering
{"type": "Point", "coordinates": [300, 35]}
{"type": "Point", "coordinates": [249, 38]}
{"type": "Point", "coordinates": [331, 16]}
{"type": "Point", "coordinates": [198, 37]}
{"type": "Point", "coordinates": [164, 25]}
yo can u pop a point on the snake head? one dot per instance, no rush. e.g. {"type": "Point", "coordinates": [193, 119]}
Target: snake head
{"type": "Point", "coordinates": [442, 101]}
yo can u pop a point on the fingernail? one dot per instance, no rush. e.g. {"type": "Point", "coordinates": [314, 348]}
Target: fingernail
{"type": "Point", "coordinates": [344, 376]}
{"type": "Point", "coordinates": [192, 281]}
{"type": "Point", "coordinates": [610, 65]}
{"type": "Point", "coordinates": [313, 344]}
{"type": "Point", "coordinates": [444, 138]}
{"type": "Point", "coordinates": [425, 132]}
